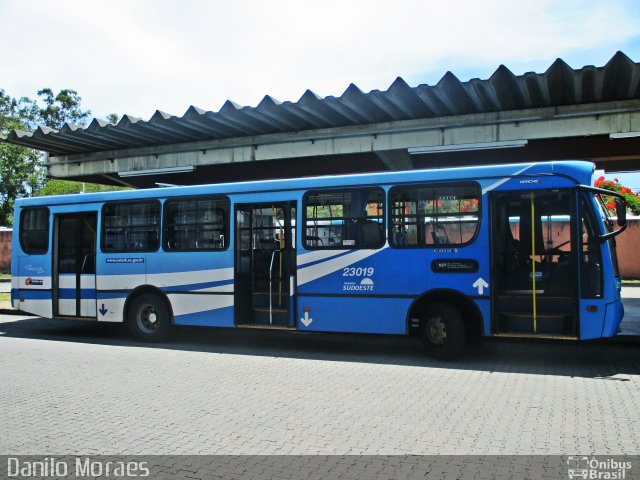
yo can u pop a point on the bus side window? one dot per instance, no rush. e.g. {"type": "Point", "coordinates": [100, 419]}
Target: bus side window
{"type": "Point", "coordinates": [196, 223]}
{"type": "Point", "coordinates": [34, 230]}
{"type": "Point", "coordinates": [349, 218]}
{"type": "Point", "coordinates": [430, 215]}
{"type": "Point", "coordinates": [131, 227]}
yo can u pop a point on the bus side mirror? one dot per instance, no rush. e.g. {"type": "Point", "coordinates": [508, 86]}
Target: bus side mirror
{"type": "Point", "coordinates": [621, 212]}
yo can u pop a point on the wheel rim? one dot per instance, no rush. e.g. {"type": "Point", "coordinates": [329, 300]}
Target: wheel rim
{"type": "Point", "coordinates": [147, 318]}
{"type": "Point", "coordinates": [436, 330]}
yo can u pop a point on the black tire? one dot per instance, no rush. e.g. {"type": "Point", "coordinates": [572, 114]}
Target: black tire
{"type": "Point", "coordinates": [149, 318]}
{"type": "Point", "coordinates": [443, 331]}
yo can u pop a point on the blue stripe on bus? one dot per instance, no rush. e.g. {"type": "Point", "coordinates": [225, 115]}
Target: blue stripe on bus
{"type": "Point", "coordinates": [196, 286]}
{"type": "Point", "coordinates": [32, 294]}
{"type": "Point", "coordinates": [316, 262]}
{"type": "Point", "coordinates": [63, 293]}
{"type": "Point", "coordinates": [110, 295]}
{"type": "Point", "coordinates": [70, 293]}
{"type": "Point", "coordinates": [220, 317]}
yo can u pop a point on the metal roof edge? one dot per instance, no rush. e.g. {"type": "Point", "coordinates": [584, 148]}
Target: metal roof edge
{"type": "Point", "coordinates": [560, 85]}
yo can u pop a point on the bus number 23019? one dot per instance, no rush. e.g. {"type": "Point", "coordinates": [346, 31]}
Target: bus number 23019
{"type": "Point", "coordinates": [358, 272]}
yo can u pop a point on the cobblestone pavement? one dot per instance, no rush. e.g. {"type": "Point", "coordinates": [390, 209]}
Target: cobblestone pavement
{"type": "Point", "coordinates": [84, 388]}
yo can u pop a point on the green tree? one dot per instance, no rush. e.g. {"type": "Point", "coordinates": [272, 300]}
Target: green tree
{"type": "Point", "coordinates": [67, 187]}
{"type": "Point", "coordinates": [22, 170]}
{"type": "Point", "coordinates": [113, 118]}
{"type": "Point", "coordinates": [53, 111]}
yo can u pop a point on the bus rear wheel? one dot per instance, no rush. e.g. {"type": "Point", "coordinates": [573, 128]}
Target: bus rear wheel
{"type": "Point", "coordinates": [443, 331]}
{"type": "Point", "coordinates": [149, 318]}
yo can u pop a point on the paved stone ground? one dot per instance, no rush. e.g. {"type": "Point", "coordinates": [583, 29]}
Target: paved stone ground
{"type": "Point", "coordinates": [84, 388]}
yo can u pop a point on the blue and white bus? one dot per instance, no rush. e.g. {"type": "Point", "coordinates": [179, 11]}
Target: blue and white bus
{"type": "Point", "coordinates": [450, 254]}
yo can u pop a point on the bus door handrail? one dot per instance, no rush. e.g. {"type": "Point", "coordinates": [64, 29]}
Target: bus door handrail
{"type": "Point", "coordinates": [84, 261]}
{"type": "Point", "coordinates": [273, 256]}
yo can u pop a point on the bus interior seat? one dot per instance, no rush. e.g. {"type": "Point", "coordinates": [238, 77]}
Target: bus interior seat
{"type": "Point", "coordinates": [560, 282]}
{"type": "Point", "coordinates": [400, 236]}
{"type": "Point", "coordinates": [370, 233]}
{"type": "Point", "coordinates": [439, 235]}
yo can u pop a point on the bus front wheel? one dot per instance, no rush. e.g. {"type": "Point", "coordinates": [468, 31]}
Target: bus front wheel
{"type": "Point", "coordinates": [443, 332]}
{"type": "Point", "coordinates": [149, 318]}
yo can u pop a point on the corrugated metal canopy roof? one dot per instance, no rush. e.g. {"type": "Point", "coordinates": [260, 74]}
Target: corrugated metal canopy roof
{"type": "Point", "coordinates": [560, 85]}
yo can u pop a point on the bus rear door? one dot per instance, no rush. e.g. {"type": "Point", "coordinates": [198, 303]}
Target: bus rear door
{"type": "Point", "coordinates": [74, 265]}
{"type": "Point", "coordinates": [265, 265]}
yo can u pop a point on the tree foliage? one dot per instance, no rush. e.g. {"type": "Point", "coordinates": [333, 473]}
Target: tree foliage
{"type": "Point", "coordinates": [632, 199]}
{"type": "Point", "coordinates": [113, 118]}
{"type": "Point", "coordinates": [68, 187]}
{"type": "Point", "coordinates": [22, 170]}
{"type": "Point", "coordinates": [53, 111]}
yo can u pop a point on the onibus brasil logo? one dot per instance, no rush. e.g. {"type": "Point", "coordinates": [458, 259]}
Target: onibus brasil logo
{"type": "Point", "coordinates": [595, 468]}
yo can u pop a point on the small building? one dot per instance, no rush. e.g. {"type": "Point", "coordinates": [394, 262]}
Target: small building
{"type": "Point", "coordinates": [5, 249]}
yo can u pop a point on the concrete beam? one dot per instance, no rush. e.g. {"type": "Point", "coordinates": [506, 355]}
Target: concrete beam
{"type": "Point", "coordinates": [396, 159]}
{"type": "Point", "coordinates": [533, 124]}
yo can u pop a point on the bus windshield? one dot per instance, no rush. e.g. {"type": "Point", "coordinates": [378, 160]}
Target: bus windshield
{"type": "Point", "coordinates": [604, 212]}
{"type": "Point", "coordinates": [608, 222]}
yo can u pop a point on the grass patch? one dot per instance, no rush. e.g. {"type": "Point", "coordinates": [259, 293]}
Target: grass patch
{"type": "Point", "coordinates": [4, 276]}
{"type": "Point", "coordinates": [5, 297]}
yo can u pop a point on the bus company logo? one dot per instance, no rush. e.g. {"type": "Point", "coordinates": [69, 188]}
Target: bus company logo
{"type": "Point", "coordinates": [365, 285]}
{"type": "Point", "coordinates": [594, 468]}
{"type": "Point", "coordinates": [29, 282]}
{"type": "Point", "coordinates": [530, 181]}
{"type": "Point", "coordinates": [34, 269]}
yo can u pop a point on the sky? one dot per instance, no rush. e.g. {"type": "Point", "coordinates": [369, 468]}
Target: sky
{"type": "Point", "coordinates": [138, 56]}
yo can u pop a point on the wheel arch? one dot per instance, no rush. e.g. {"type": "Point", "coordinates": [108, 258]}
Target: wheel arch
{"type": "Point", "coordinates": [141, 290]}
{"type": "Point", "coordinates": [470, 312]}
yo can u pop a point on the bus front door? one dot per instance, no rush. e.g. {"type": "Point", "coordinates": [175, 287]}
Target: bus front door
{"type": "Point", "coordinates": [535, 263]}
{"type": "Point", "coordinates": [265, 265]}
{"type": "Point", "coordinates": [74, 261]}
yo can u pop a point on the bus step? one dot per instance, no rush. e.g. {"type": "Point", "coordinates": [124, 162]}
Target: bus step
{"type": "Point", "coordinates": [279, 316]}
{"type": "Point", "coordinates": [535, 335]}
{"type": "Point", "coordinates": [267, 327]}
{"type": "Point", "coordinates": [261, 300]}
{"type": "Point", "coordinates": [523, 304]}
{"type": "Point", "coordinates": [554, 324]}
